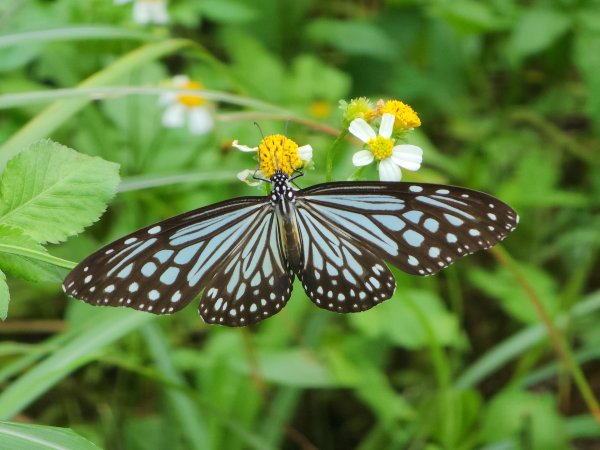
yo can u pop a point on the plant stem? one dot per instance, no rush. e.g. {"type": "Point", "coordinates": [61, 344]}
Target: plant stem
{"type": "Point", "coordinates": [39, 256]}
{"type": "Point", "coordinates": [331, 154]}
{"type": "Point", "coordinates": [560, 345]}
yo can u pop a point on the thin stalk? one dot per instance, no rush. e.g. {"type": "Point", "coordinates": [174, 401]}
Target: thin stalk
{"type": "Point", "coordinates": [439, 360]}
{"type": "Point", "coordinates": [331, 154]}
{"type": "Point", "coordinates": [560, 345]}
{"type": "Point", "coordinates": [111, 92]}
{"type": "Point", "coordinates": [74, 33]}
{"type": "Point", "coordinates": [39, 256]}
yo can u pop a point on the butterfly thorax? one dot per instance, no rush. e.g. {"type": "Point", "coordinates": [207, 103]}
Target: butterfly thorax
{"type": "Point", "coordinates": [283, 200]}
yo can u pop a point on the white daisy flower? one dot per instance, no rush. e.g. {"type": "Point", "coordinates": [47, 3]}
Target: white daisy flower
{"type": "Point", "coordinates": [148, 11]}
{"type": "Point", "coordinates": [382, 149]}
{"type": "Point", "coordinates": [190, 108]}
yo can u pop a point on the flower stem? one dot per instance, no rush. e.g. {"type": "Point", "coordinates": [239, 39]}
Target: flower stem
{"type": "Point", "coordinates": [560, 345]}
{"type": "Point", "coordinates": [356, 174]}
{"type": "Point", "coordinates": [331, 154]}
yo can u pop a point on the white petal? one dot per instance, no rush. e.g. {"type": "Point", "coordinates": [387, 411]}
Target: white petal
{"type": "Point", "coordinates": [180, 80]}
{"type": "Point", "coordinates": [166, 98]}
{"type": "Point", "coordinates": [159, 13]}
{"type": "Point", "coordinates": [121, 2]}
{"type": "Point", "coordinates": [243, 148]}
{"type": "Point", "coordinates": [388, 171]}
{"type": "Point", "coordinates": [200, 120]}
{"type": "Point", "coordinates": [246, 175]}
{"type": "Point", "coordinates": [362, 158]}
{"type": "Point", "coordinates": [387, 125]}
{"type": "Point", "coordinates": [362, 130]}
{"type": "Point", "coordinates": [305, 153]}
{"type": "Point", "coordinates": [141, 13]}
{"type": "Point", "coordinates": [174, 116]}
{"type": "Point", "coordinates": [407, 156]}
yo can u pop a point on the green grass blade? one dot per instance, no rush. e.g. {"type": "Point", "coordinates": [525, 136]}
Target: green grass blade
{"type": "Point", "coordinates": [106, 327]}
{"type": "Point", "coordinates": [517, 344]}
{"type": "Point", "coordinates": [73, 33]}
{"type": "Point", "coordinates": [25, 436]}
{"type": "Point", "coordinates": [192, 425]}
{"type": "Point", "coordinates": [58, 113]}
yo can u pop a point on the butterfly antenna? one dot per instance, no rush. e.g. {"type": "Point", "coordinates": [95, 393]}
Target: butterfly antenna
{"type": "Point", "coordinates": [262, 135]}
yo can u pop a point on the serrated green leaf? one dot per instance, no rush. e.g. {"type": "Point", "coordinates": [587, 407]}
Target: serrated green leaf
{"type": "Point", "coordinates": [20, 266]}
{"type": "Point", "coordinates": [52, 192]}
{"type": "Point", "coordinates": [26, 436]}
{"type": "Point", "coordinates": [4, 296]}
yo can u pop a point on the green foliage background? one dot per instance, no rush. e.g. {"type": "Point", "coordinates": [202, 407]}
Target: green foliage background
{"type": "Point", "coordinates": [509, 95]}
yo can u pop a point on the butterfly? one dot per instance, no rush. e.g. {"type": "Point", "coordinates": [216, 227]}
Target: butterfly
{"type": "Point", "coordinates": [243, 254]}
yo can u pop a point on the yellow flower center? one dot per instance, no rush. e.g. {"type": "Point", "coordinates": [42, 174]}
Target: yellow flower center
{"type": "Point", "coordinates": [406, 117]}
{"type": "Point", "coordinates": [278, 152]}
{"type": "Point", "coordinates": [381, 147]}
{"type": "Point", "coordinates": [191, 100]}
{"type": "Point", "coordinates": [320, 109]}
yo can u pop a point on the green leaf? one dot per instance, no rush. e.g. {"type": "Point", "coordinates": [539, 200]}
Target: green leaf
{"type": "Point", "coordinates": [227, 11]}
{"type": "Point", "coordinates": [61, 111]}
{"type": "Point", "coordinates": [354, 37]}
{"type": "Point", "coordinates": [453, 429]}
{"type": "Point", "coordinates": [537, 30]}
{"type": "Point", "coordinates": [293, 367]}
{"type": "Point", "coordinates": [52, 192]}
{"type": "Point", "coordinates": [21, 266]}
{"type": "Point", "coordinates": [587, 59]}
{"type": "Point", "coordinates": [501, 286]}
{"type": "Point", "coordinates": [4, 296]}
{"type": "Point", "coordinates": [529, 420]}
{"type": "Point", "coordinates": [25, 436]}
{"type": "Point", "coordinates": [396, 320]}
{"type": "Point", "coordinates": [91, 336]}
{"type": "Point", "coordinates": [470, 16]}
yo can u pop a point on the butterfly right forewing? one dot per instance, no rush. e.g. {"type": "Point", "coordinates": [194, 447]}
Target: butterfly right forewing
{"type": "Point", "coordinates": [418, 227]}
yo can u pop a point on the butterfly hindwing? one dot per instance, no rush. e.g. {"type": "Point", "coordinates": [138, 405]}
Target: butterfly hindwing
{"type": "Point", "coordinates": [161, 268]}
{"type": "Point", "coordinates": [338, 273]}
{"type": "Point", "coordinates": [420, 228]}
{"type": "Point", "coordinates": [253, 282]}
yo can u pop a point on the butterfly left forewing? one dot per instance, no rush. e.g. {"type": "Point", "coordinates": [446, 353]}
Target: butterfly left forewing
{"type": "Point", "coordinates": [161, 268]}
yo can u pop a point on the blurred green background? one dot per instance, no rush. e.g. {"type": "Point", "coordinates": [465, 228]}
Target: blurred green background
{"type": "Point", "coordinates": [509, 95]}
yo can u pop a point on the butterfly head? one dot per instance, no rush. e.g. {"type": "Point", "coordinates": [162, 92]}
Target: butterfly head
{"type": "Point", "coordinates": [281, 190]}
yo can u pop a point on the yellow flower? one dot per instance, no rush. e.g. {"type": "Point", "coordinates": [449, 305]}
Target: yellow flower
{"type": "Point", "coordinates": [358, 108]}
{"type": "Point", "coordinates": [405, 117]}
{"type": "Point", "coordinates": [320, 109]}
{"type": "Point", "coordinates": [278, 152]}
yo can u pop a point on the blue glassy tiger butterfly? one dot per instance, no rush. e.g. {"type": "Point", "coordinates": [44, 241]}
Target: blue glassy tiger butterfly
{"type": "Point", "coordinates": [244, 253]}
